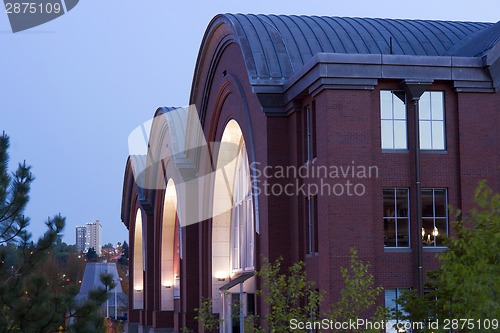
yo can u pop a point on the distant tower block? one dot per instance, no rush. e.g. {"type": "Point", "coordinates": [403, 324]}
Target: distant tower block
{"type": "Point", "coordinates": [89, 236]}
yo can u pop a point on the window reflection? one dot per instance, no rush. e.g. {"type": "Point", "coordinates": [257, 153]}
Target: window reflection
{"type": "Point", "coordinates": [393, 121]}
{"type": "Point", "coordinates": [242, 215]}
{"type": "Point", "coordinates": [396, 219]}
{"type": "Point", "coordinates": [434, 217]}
{"type": "Point", "coordinates": [431, 115]}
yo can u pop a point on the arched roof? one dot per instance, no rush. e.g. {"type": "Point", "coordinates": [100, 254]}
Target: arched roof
{"type": "Point", "coordinates": [482, 44]}
{"type": "Point", "coordinates": [276, 46]}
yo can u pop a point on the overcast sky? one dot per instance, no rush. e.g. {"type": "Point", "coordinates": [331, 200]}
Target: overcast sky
{"type": "Point", "coordinates": [73, 89]}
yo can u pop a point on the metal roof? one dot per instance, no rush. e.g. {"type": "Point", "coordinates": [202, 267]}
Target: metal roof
{"type": "Point", "coordinates": [91, 281]}
{"type": "Point", "coordinates": [276, 46]}
{"type": "Point", "coordinates": [481, 44]}
{"type": "Point", "coordinates": [240, 279]}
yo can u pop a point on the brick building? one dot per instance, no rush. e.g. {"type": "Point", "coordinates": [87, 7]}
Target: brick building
{"type": "Point", "coordinates": [316, 119]}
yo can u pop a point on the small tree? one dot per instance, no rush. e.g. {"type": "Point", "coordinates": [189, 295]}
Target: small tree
{"type": "Point", "coordinates": [210, 321]}
{"type": "Point", "coordinates": [288, 296]}
{"type": "Point", "coordinates": [467, 284]}
{"type": "Point", "coordinates": [358, 295]}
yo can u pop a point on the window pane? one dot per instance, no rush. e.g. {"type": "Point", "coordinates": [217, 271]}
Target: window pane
{"type": "Point", "coordinates": [399, 293]}
{"type": "Point", "coordinates": [403, 234]}
{"type": "Point", "coordinates": [389, 232]}
{"type": "Point", "coordinates": [389, 207]}
{"type": "Point", "coordinates": [250, 235]}
{"type": "Point", "coordinates": [437, 105]}
{"type": "Point", "coordinates": [390, 296]}
{"type": "Point", "coordinates": [428, 238]}
{"type": "Point", "coordinates": [437, 135]}
{"type": "Point", "coordinates": [308, 226]}
{"type": "Point", "coordinates": [440, 202]}
{"type": "Point", "coordinates": [400, 134]}
{"type": "Point", "coordinates": [425, 135]}
{"type": "Point", "coordinates": [387, 132]}
{"type": "Point", "coordinates": [427, 204]}
{"type": "Point", "coordinates": [399, 108]}
{"type": "Point", "coordinates": [242, 235]}
{"type": "Point", "coordinates": [315, 223]}
{"type": "Point", "coordinates": [236, 237]}
{"type": "Point", "coordinates": [386, 105]}
{"type": "Point", "coordinates": [442, 231]}
{"type": "Point", "coordinates": [425, 106]}
{"type": "Point", "coordinates": [393, 121]}
{"type": "Point", "coordinates": [402, 202]}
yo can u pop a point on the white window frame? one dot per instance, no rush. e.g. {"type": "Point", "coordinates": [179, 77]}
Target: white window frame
{"type": "Point", "coordinates": [392, 118]}
{"type": "Point", "coordinates": [429, 101]}
{"type": "Point", "coordinates": [242, 228]}
{"type": "Point", "coordinates": [397, 292]}
{"type": "Point", "coordinates": [434, 217]}
{"type": "Point", "coordinates": [395, 218]}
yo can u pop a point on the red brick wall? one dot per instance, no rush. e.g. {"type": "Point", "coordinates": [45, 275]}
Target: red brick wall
{"type": "Point", "coordinates": [349, 130]}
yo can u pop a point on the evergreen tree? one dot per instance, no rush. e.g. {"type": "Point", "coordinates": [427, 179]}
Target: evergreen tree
{"type": "Point", "coordinates": [13, 197]}
{"type": "Point", "coordinates": [29, 300]}
{"type": "Point", "coordinates": [124, 258]}
{"type": "Point", "coordinates": [91, 255]}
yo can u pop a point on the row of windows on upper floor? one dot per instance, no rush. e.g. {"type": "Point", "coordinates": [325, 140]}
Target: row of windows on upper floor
{"type": "Point", "coordinates": [396, 219]}
{"type": "Point", "coordinates": [393, 119]}
{"type": "Point", "coordinates": [393, 123]}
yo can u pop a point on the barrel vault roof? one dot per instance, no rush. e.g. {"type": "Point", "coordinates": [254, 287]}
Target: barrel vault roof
{"type": "Point", "coordinates": [276, 46]}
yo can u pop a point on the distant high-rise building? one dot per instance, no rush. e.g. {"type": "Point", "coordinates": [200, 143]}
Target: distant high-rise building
{"type": "Point", "coordinates": [81, 233]}
{"type": "Point", "coordinates": [88, 237]}
{"type": "Point", "coordinates": [93, 238]}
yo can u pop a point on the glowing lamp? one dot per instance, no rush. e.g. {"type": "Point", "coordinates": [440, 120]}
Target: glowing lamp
{"type": "Point", "coordinates": [220, 276]}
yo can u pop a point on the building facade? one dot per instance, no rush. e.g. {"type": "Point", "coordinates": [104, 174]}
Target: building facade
{"type": "Point", "coordinates": [81, 234]}
{"type": "Point", "coordinates": [89, 236]}
{"type": "Point", "coordinates": [306, 137]}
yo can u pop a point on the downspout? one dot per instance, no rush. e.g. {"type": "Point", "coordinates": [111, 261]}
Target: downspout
{"type": "Point", "coordinates": [413, 91]}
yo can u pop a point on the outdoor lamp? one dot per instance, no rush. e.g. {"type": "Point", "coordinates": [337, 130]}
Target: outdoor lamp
{"type": "Point", "coordinates": [221, 276]}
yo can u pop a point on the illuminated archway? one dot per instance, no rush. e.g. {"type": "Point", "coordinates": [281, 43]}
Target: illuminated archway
{"type": "Point", "coordinates": [170, 249]}
{"type": "Point", "coordinates": [138, 262]}
{"type": "Point", "coordinates": [233, 250]}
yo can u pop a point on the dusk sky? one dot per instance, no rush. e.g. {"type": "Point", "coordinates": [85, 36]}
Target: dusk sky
{"type": "Point", "coordinates": [73, 89]}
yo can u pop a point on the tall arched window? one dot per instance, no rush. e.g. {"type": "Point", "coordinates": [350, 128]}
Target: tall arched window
{"type": "Point", "coordinates": [233, 222]}
{"type": "Point", "coordinates": [138, 282]}
{"type": "Point", "coordinates": [232, 231]}
{"type": "Point", "coordinates": [242, 230]}
{"type": "Point", "coordinates": [169, 248]}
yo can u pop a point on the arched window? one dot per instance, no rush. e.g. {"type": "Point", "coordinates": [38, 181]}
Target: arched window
{"type": "Point", "coordinates": [242, 229]}
{"type": "Point", "coordinates": [169, 249]}
{"type": "Point", "coordinates": [138, 282]}
{"type": "Point", "coordinates": [233, 249]}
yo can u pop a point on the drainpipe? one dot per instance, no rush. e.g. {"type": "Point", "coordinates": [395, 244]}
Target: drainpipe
{"type": "Point", "coordinates": [413, 90]}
